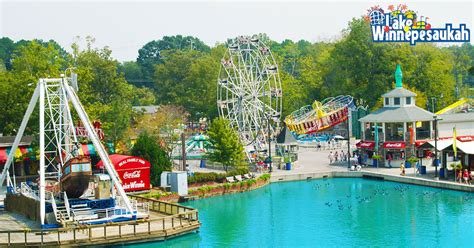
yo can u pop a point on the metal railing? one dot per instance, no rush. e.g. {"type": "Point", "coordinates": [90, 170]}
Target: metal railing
{"type": "Point", "coordinates": [181, 219]}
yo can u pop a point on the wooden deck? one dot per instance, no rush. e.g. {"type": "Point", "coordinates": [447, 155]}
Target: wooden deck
{"type": "Point", "coordinates": [166, 220]}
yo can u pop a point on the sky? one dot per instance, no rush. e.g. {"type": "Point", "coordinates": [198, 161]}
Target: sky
{"type": "Point", "coordinates": [125, 26]}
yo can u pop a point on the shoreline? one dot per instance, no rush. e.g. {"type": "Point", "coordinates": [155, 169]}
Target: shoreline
{"type": "Point", "coordinates": [373, 175]}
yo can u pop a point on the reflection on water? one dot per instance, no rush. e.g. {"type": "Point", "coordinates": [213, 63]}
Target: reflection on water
{"type": "Point", "coordinates": [333, 213]}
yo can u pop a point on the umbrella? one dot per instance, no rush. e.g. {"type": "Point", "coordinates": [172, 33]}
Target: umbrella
{"type": "Point", "coordinates": [338, 137]}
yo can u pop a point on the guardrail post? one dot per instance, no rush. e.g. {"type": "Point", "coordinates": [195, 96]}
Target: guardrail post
{"type": "Point", "coordinates": [90, 234]}
{"type": "Point", "coordinates": [8, 238]}
{"type": "Point", "coordinates": [25, 238]}
{"type": "Point", "coordinates": [149, 227]}
{"type": "Point", "coordinates": [163, 225]}
{"type": "Point", "coordinates": [180, 220]}
{"type": "Point", "coordinates": [120, 230]}
{"type": "Point", "coordinates": [41, 236]}
{"type": "Point", "coordinates": [59, 237]}
{"type": "Point", "coordinates": [105, 232]}
{"type": "Point", "coordinates": [135, 229]}
{"type": "Point", "coordinates": [74, 234]}
{"type": "Point", "coordinates": [172, 222]}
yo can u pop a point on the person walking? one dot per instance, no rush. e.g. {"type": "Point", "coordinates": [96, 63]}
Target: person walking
{"type": "Point", "coordinates": [330, 157]}
{"type": "Point", "coordinates": [389, 159]}
{"type": "Point", "coordinates": [336, 156]}
{"type": "Point", "coordinates": [402, 169]}
{"type": "Point", "coordinates": [465, 176]}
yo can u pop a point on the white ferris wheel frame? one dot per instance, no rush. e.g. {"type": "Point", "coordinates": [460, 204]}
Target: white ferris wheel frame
{"type": "Point", "coordinates": [249, 92]}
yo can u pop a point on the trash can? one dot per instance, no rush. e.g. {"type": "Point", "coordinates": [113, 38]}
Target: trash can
{"type": "Point", "coordinates": [202, 164]}
{"type": "Point", "coordinates": [441, 172]}
{"type": "Point", "coordinates": [407, 165]}
{"type": "Point", "coordinates": [423, 170]}
{"type": "Point", "coordinates": [288, 166]}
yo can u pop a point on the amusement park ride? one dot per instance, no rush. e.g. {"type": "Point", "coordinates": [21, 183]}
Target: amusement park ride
{"type": "Point", "coordinates": [65, 175]}
{"type": "Point", "coordinates": [249, 92]}
{"type": "Point", "coordinates": [320, 115]}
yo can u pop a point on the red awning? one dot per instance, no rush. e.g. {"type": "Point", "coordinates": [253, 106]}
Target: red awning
{"type": "Point", "coordinates": [394, 145]}
{"type": "Point", "coordinates": [124, 162]}
{"type": "Point", "coordinates": [366, 144]}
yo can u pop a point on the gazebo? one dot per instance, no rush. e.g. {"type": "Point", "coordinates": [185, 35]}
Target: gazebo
{"type": "Point", "coordinates": [393, 130]}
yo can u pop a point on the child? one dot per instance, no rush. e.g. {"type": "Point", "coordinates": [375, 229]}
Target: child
{"type": "Point", "coordinates": [465, 176]}
{"type": "Point", "coordinates": [459, 178]}
{"type": "Point", "coordinates": [402, 168]}
{"type": "Point", "coordinates": [331, 157]}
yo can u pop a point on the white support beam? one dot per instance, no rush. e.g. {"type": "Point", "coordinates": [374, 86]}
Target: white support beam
{"type": "Point", "coordinates": [42, 124]}
{"type": "Point", "coordinates": [99, 147]}
{"type": "Point", "coordinates": [19, 135]}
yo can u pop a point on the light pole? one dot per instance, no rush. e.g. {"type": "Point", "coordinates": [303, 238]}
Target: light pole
{"type": "Point", "coordinates": [270, 167]}
{"type": "Point", "coordinates": [348, 145]}
{"type": "Point", "coordinates": [436, 144]}
{"type": "Point", "coordinates": [275, 119]}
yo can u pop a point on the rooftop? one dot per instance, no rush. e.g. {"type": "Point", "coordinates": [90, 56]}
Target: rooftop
{"type": "Point", "coordinates": [399, 92]}
{"type": "Point", "coordinates": [150, 109]}
{"type": "Point", "coordinates": [458, 117]}
{"type": "Point", "coordinates": [398, 114]}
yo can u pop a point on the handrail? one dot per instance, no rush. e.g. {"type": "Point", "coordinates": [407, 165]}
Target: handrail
{"type": "Point", "coordinates": [183, 220]}
{"type": "Point", "coordinates": [161, 202]}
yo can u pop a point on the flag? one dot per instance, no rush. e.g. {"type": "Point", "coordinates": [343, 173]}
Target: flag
{"type": "Point", "coordinates": [454, 143]}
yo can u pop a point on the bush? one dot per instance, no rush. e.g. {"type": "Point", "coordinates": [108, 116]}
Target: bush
{"type": "Point", "coordinates": [264, 177]}
{"type": "Point", "coordinates": [200, 177]}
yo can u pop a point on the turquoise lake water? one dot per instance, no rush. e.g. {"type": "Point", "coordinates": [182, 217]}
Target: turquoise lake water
{"type": "Point", "coordinates": [342, 212]}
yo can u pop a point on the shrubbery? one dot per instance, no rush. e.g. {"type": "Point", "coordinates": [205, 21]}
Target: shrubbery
{"type": "Point", "coordinates": [200, 177]}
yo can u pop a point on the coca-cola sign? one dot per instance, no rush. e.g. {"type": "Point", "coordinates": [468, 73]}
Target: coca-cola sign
{"type": "Point", "coordinates": [134, 174]}
{"type": "Point", "coordinates": [465, 138]}
{"type": "Point", "coordinates": [396, 145]}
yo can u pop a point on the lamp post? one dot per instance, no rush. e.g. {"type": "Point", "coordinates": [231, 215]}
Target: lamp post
{"type": "Point", "coordinates": [276, 118]}
{"type": "Point", "coordinates": [348, 145]}
{"type": "Point", "coordinates": [436, 144]}
{"type": "Point", "coordinates": [270, 167]}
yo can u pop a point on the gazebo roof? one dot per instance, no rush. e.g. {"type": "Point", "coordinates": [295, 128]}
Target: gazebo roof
{"type": "Point", "coordinates": [399, 92]}
{"type": "Point", "coordinates": [398, 114]}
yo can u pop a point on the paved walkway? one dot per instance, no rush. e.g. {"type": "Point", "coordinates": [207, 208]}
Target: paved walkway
{"type": "Point", "coordinates": [311, 160]}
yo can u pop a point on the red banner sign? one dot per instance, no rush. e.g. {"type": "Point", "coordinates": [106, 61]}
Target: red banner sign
{"type": "Point", "coordinates": [394, 145]}
{"type": "Point", "coordinates": [135, 180]}
{"type": "Point", "coordinates": [366, 144]}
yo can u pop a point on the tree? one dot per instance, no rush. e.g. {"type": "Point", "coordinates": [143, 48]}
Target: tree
{"type": "Point", "coordinates": [226, 146]}
{"type": "Point", "coordinates": [29, 62]}
{"type": "Point", "coordinates": [160, 125]}
{"type": "Point", "coordinates": [151, 53]}
{"type": "Point", "coordinates": [147, 147]}
{"type": "Point", "coordinates": [188, 79]}
{"type": "Point", "coordinates": [104, 92]}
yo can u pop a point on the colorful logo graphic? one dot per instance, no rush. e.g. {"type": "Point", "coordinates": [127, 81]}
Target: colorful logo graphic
{"type": "Point", "coordinates": [403, 25]}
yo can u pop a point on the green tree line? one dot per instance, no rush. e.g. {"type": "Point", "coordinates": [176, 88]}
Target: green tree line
{"type": "Point", "coordinates": [183, 71]}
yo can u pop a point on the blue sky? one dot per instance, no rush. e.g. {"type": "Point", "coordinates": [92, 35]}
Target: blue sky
{"type": "Point", "coordinates": [125, 26]}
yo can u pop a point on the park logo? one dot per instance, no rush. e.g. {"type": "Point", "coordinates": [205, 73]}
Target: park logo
{"type": "Point", "coordinates": [404, 25]}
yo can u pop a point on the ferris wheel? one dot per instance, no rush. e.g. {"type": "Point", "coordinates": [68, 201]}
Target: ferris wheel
{"type": "Point", "coordinates": [249, 92]}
